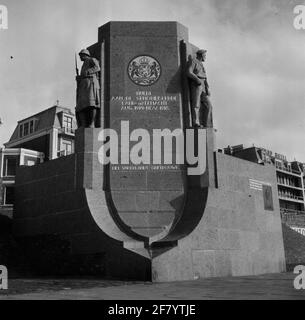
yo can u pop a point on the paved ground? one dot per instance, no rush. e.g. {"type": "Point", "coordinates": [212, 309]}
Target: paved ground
{"type": "Point", "coordinates": [275, 286]}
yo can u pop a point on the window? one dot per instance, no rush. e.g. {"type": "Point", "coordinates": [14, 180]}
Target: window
{"type": "Point", "coordinates": [278, 164]}
{"type": "Point", "coordinates": [10, 165]}
{"type": "Point", "coordinates": [30, 163]}
{"type": "Point", "coordinates": [8, 196]}
{"type": "Point", "coordinates": [21, 130]}
{"type": "Point", "coordinates": [67, 122]}
{"type": "Point", "coordinates": [26, 128]}
{"type": "Point", "coordinates": [31, 126]}
{"type": "Point", "coordinates": [67, 146]}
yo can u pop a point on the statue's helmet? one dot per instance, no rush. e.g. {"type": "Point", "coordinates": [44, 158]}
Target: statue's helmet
{"type": "Point", "coordinates": [201, 52]}
{"type": "Point", "coordinates": [85, 52]}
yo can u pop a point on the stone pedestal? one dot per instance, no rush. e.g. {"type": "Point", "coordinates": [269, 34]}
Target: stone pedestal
{"type": "Point", "coordinates": [142, 81]}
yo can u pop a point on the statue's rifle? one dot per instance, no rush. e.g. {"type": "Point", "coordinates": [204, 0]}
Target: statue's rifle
{"type": "Point", "coordinates": [77, 75]}
{"type": "Point", "coordinates": [76, 68]}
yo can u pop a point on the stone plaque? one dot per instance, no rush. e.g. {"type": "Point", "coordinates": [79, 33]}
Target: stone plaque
{"type": "Point", "coordinates": [268, 199]}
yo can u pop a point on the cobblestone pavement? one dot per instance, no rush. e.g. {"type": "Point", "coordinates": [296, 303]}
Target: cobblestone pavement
{"type": "Point", "coordinates": [274, 286]}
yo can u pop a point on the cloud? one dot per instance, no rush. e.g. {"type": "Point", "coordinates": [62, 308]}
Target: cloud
{"type": "Point", "coordinates": [256, 61]}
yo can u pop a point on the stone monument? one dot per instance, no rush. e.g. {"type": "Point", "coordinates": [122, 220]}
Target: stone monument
{"type": "Point", "coordinates": [133, 211]}
{"type": "Point", "coordinates": [88, 91]}
{"type": "Point", "coordinates": [200, 92]}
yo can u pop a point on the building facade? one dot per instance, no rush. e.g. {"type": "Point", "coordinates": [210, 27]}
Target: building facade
{"type": "Point", "coordinates": [50, 131]}
{"type": "Point", "coordinates": [10, 159]}
{"type": "Point", "coordinates": [290, 175]}
{"type": "Point", "coordinates": [44, 136]}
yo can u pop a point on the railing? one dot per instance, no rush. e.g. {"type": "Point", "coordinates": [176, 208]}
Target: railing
{"type": "Point", "coordinates": [293, 217]}
{"type": "Point", "coordinates": [287, 170]}
{"type": "Point", "coordinates": [288, 185]}
{"type": "Point", "coordinates": [291, 211]}
{"type": "Point", "coordinates": [291, 197]}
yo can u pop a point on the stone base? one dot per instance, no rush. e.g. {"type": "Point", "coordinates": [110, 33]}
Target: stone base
{"type": "Point", "coordinates": [63, 216]}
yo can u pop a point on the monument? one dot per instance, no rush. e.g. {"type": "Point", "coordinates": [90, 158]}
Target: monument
{"type": "Point", "coordinates": [88, 91]}
{"type": "Point", "coordinates": [200, 92]}
{"type": "Point", "coordinates": [145, 196]}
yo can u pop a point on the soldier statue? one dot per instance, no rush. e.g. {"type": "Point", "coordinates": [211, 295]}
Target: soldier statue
{"type": "Point", "coordinates": [88, 91]}
{"type": "Point", "coordinates": [201, 106]}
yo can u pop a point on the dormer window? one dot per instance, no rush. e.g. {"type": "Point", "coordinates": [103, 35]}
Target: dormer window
{"type": "Point", "coordinates": [67, 122]}
{"type": "Point", "coordinates": [31, 126]}
{"type": "Point", "coordinates": [21, 130]}
{"type": "Point", "coordinates": [26, 128]}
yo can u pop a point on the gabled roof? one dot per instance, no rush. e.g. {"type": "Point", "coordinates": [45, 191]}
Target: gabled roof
{"type": "Point", "coordinates": [46, 119]}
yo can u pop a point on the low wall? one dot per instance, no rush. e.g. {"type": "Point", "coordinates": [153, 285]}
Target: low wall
{"type": "Point", "coordinates": [55, 228]}
{"type": "Point", "coordinates": [236, 235]}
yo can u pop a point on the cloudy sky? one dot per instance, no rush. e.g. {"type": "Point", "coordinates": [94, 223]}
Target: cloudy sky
{"type": "Point", "coordinates": [256, 61]}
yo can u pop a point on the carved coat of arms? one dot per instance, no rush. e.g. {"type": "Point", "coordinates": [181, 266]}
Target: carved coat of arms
{"type": "Point", "coordinates": [144, 70]}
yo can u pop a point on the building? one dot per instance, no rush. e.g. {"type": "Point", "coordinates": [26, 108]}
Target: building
{"type": "Point", "coordinates": [50, 131]}
{"type": "Point", "coordinates": [41, 137]}
{"type": "Point", "coordinates": [10, 159]}
{"type": "Point", "coordinates": [290, 175]}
